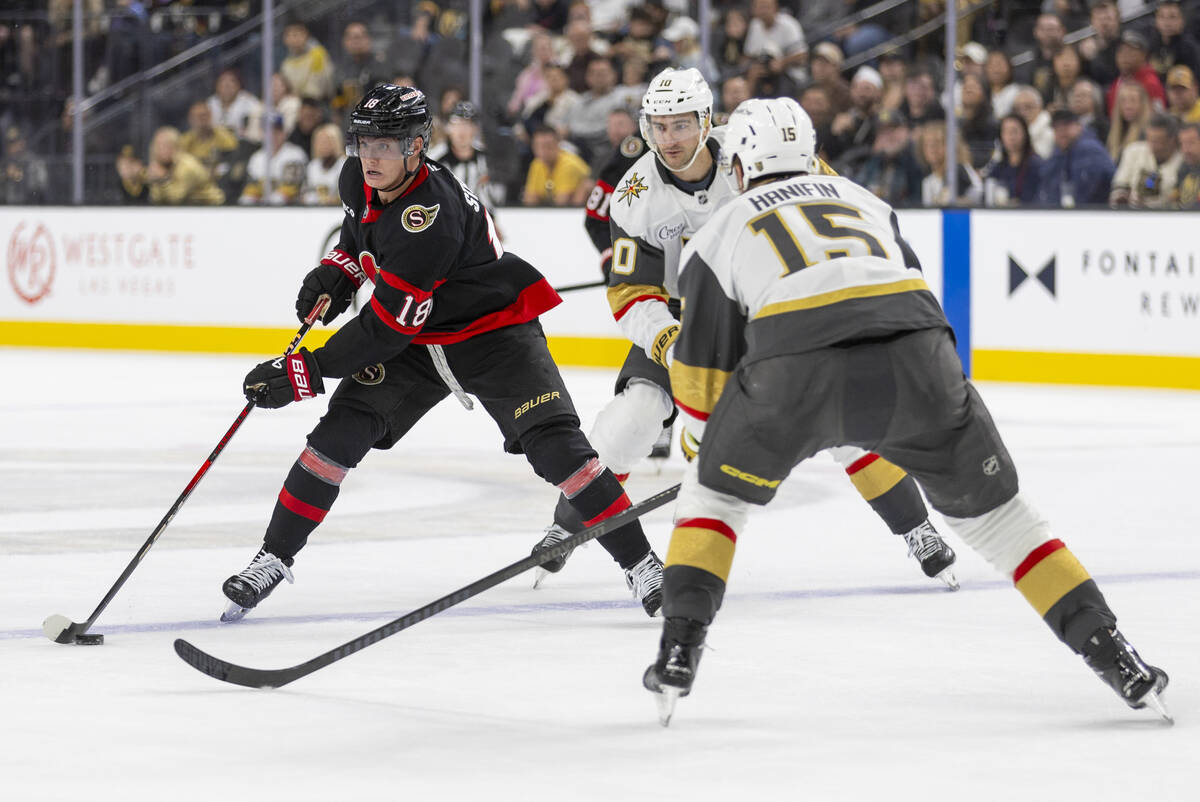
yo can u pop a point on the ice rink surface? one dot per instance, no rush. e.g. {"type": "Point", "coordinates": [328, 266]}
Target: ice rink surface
{"type": "Point", "coordinates": [836, 670]}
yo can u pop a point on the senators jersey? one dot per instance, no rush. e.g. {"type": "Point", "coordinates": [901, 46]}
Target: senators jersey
{"type": "Point", "coordinates": [651, 218]}
{"type": "Point", "coordinates": [596, 212]}
{"type": "Point", "coordinates": [788, 267]}
{"type": "Point", "coordinates": [441, 275]}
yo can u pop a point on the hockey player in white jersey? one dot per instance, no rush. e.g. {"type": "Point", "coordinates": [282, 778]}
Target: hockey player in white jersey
{"type": "Point", "coordinates": [662, 201]}
{"type": "Point", "coordinates": [807, 324]}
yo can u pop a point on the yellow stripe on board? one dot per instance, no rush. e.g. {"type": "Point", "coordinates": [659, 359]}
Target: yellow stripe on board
{"type": "Point", "coordinates": [605, 352]}
{"type": "Point", "coordinates": [1113, 370]}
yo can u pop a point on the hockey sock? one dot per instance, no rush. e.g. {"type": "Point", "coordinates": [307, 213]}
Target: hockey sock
{"type": "Point", "coordinates": [595, 494]}
{"type": "Point", "coordinates": [308, 493]}
{"type": "Point", "coordinates": [891, 492]}
{"type": "Point", "coordinates": [1054, 582]}
{"type": "Point", "coordinates": [697, 567]}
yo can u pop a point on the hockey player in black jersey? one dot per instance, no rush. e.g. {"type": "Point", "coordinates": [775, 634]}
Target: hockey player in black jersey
{"type": "Point", "coordinates": [451, 312]}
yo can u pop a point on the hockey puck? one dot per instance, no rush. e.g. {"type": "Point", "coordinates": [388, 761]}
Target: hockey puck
{"type": "Point", "coordinates": [89, 639]}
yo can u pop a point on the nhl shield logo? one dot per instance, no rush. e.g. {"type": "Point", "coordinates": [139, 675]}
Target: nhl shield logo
{"type": "Point", "coordinates": [370, 375]}
{"type": "Point", "coordinates": [991, 466]}
{"type": "Point", "coordinates": [418, 218]}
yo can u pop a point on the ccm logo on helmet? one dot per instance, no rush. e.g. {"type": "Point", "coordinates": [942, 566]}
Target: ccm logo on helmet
{"type": "Point", "coordinates": [757, 481]}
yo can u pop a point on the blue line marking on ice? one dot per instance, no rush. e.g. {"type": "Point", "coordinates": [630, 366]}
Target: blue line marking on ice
{"type": "Point", "coordinates": [553, 607]}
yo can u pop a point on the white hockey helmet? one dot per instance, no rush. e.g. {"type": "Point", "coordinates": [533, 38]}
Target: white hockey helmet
{"type": "Point", "coordinates": [675, 91]}
{"type": "Point", "coordinates": [769, 137]}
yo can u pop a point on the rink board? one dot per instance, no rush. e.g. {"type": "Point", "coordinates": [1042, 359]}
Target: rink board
{"type": "Point", "coordinates": [1064, 297]}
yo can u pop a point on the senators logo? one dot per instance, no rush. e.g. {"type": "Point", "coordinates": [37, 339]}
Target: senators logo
{"type": "Point", "coordinates": [418, 218]}
{"type": "Point", "coordinates": [370, 375]}
{"type": "Point", "coordinates": [31, 263]}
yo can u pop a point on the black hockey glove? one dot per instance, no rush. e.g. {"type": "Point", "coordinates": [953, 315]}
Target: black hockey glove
{"type": "Point", "coordinates": [325, 279]}
{"type": "Point", "coordinates": [280, 381]}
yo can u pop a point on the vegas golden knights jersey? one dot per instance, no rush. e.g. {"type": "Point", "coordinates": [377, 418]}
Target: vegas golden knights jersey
{"type": "Point", "coordinates": [788, 267]}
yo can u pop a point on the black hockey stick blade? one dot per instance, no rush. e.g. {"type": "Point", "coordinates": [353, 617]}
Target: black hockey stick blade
{"type": "Point", "coordinates": [61, 629]}
{"type": "Point", "coordinates": [585, 286]}
{"type": "Point", "coordinates": [276, 678]}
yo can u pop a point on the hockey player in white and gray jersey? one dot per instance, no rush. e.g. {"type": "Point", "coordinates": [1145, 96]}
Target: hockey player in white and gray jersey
{"type": "Point", "coordinates": [665, 197]}
{"type": "Point", "coordinates": [807, 324]}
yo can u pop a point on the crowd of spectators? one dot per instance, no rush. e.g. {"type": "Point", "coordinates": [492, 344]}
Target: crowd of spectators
{"type": "Point", "coordinates": [1044, 118]}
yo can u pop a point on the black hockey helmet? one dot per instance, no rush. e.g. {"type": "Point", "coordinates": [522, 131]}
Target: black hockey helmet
{"type": "Point", "coordinates": [391, 111]}
{"type": "Point", "coordinates": [465, 110]}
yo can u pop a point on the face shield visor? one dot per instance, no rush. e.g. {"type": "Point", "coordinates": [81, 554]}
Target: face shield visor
{"type": "Point", "coordinates": [378, 147]}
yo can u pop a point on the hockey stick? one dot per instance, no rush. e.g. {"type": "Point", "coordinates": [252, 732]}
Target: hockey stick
{"type": "Point", "coordinates": [585, 286]}
{"type": "Point", "coordinates": [278, 677]}
{"type": "Point", "coordinates": [61, 629]}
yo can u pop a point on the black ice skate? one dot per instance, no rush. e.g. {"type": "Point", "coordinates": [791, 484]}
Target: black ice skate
{"type": "Point", "coordinates": [934, 554]}
{"type": "Point", "coordinates": [662, 446]}
{"type": "Point", "coordinates": [555, 534]}
{"type": "Point", "coordinates": [645, 580]}
{"type": "Point", "coordinates": [255, 583]}
{"type": "Point", "coordinates": [1117, 663]}
{"type": "Point", "coordinates": [672, 674]}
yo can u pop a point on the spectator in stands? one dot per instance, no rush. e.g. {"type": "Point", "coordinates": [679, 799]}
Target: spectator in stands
{"type": "Point", "coordinates": [214, 146]}
{"type": "Point", "coordinates": [556, 176]}
{"type": "Point", "coordinates": [1003, 90]}
{"type": "Point", "coordinates": [641, 39]}
{"type": "Point", "coordinates": [892, 69]}
{"type": "Point", "coordinates": [589, 119]}
{"type": "Point", "coordinates": [1068, 68]}
{"type": "Point", "coordinates": [132, 172]}
{"type": "Point", "coordinates": [325, 167]}
{"type": "Point", "coordinates": [307, 65]}
{"type": "Point", "coordinates": [1183, 99]}
{"type": "Point", "coordinates": [892, 171]}
{"type": "Point", "coordinates": [463, 154]}
{"type": "Point", "coordinates": [286, 169]}
{"type": "Point", "coordinates": [1028, 106]}
{"type": "Point", "coordinates": [920, 98]}
{"type": "Point", "coordinates": [359, 69]}
{"type": "Point", "coordinates": [815, 100]}
{"type": "Point", "coordinates": [554, 106]}
{"type": "Point", "coordinates": [622, 124]}
{"type": "Point", "coordinates": [1130, 118]}
{"type": "Point", "coordinates": [1188, 178]}
{"type": "Point", "coordinates": [826, 70]}
{"type": "Point", "coordinates": [856, 37]}
{"type": "Point", "coordinates": [1132, 68]}
{"type": "Point", "coordinates": [734, 90]}
{"type": "Point", "coordinates": [977, 126]}
{"type": "Point", "coordinates": [1170, 44]}
{"type": "Point", "coordinates": [936, 190]}
{"type": "Point", "coordinates": [581, 47]}
{"type": "Point", "coordinates": [852, 133]}
{"type": "Point", "coordinates": [684, 37]}
{"type": "Point", "coordinates": [1079, 171]}
{"type": "Point", "coordinates": [776, 41]}
{"type": "Point", "coordinates": [549, 15]}
{"type": "Point", "coordinates": [1148, 171]}
{"type": "Point", "coordinates": [730, 43]}
{"type": "Point", "coordinates": [1099, 51]}
{"type": "Point", "coordinates": [531, 81]}
{"type": "Point", "coordinates": [1087, 101]}
{"type": "Point", "coordinates": [176, 177]}
{"type": "Point", "coordinates": [25, 177]}
{"type": "Point", "coordinates": [1048, 34]}
{"type": "Point", "coordinates": [633, 82]}
{"type": "Point", "coordinates": [1011, 178]}
{"type": "Point", "coordinates": [285, 100]}
{"type": "Point", "coordinates": [308, 120]}
{"type": "Point", "coordinates": [449, 98]}
{"type": "Point", "coordinates": [608, 16]}
{"type": "Point", "coordinates": [235, 108]}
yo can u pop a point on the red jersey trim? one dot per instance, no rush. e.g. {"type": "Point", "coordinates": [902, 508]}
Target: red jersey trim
{"type": "Point", "coordinates": [620, 313]}
{"type": "Point", "coordinates": [695, 413]}
{"type": "Point", "coordinates": [372, 213]}
{"type": "Point", "coordinates": [389, 319]}
{"type": "Point", "coordinates": [533, 301]}
{"type": "Point", "coordinates": [392, 280]}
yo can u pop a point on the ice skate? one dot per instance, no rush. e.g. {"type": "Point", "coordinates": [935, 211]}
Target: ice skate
{"type": "Point", "coordinates": [1117, 663]}
{"type": "Point", "coordinates": [662, 446]}
{"type": "Point", "coordinates": [934, 554]}
{"type": "Point", "coordinates": [645, 581]}
{"type": "Point", "coordinates": [555, 534]}
{"type": "Point", "coordinates": [670, 677]}
{"type": "Point", "coordinates": [254, 583]}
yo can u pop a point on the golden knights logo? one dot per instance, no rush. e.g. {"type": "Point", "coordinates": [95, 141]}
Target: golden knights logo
{"type": "Point", "coordinates": [632, 188]}
{"type": "Point", "coordinates": [418, 218]}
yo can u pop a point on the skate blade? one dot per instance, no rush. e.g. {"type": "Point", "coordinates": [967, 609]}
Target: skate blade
{"type": "Point", "coordinates": [947, 576]}
{"type": "Point", "coordinates": [539, 576]}
{"type": "Point", "coordinates": [665, 698]}
{"type": "Point", "coordinates": [233, 612]}
{"type": "Point", "coordinates": [1153, 701]}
